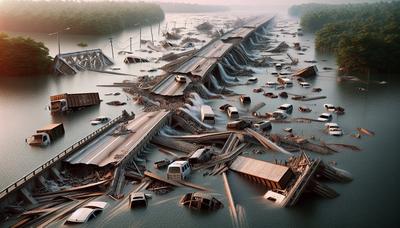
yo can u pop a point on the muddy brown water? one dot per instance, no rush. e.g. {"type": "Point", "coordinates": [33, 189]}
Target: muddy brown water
{"type": "Point", "coordinates": [369, 201]}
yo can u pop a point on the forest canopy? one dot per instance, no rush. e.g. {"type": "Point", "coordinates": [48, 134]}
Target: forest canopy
{"type": "Point", "coordinates": [92, 18]}
{"type": "Point", "coordinates": [23, 57]}
{"type": "Point", "coordinates": [363, 36]}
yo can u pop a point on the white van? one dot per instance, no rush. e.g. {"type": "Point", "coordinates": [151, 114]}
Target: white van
{"type": "Point", "coordinates": [178, 170]}
{"type": "Point", "coordinates": [233, 112]}
{"type": "Point", "coordinates": [207, 114]}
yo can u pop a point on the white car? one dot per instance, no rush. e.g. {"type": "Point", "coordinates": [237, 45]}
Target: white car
{"type": "Point", "coordinates": [270, 84]}
{"type": "Point", "coordinates": [329, 107]}
{"type": "Point", "coordinates": [252, 80]}
{"type": "Point", "coordinates": [305, 84]}
{"type": "Point", "coordinates": [99, 120]}
{"type": "Point", "coordinates": [333, 129]}
{"type": "Point", "coordinates": [180, 78]}
{"type": "Point", "coordinates": [325, 117]}
{"type": "Point", "coordinates": [279, 115]}
{"type": "Point", "coordinates": [287, 108]}
{"type": "Point", "coordinates": [263, 125]}
{"type": "Point", "coordinates": [137, 199]}
{"type": "Point", "coordinates": [87, 212]}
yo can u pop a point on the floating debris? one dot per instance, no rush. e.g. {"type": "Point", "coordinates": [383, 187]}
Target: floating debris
{"type": "Point", "coordinates": [365, 131]}
{"type": "Point", "coordinates": [116, 103]}
{"type": "Point", "coordinates": [307, 72]}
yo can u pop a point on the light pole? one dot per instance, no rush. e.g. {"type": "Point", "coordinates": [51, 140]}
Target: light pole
{"type": "Point", "coordinates": [58, 38]}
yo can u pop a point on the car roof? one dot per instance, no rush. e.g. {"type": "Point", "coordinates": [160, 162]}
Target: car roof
{"type": "Point", "coordinates": [137, 195]}
{"type": "Point", "coordinates": [325, 114]}
{"type": "Point", "coordinates": [233, 108]}
{"type": "Point", "coordinates": [96, 204]}
{"type": "Point", "coordinates": [286, 105]}
{"type": "Point", "coordinates": [81, 215]}
{"type": "Point", "coordinates": [178, 163]}
{"type": "Point", "coordinates": [332, 124]}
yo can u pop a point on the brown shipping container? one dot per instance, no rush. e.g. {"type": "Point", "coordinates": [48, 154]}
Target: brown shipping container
{"type": "Point", "coordinates": [78, 100]}
{"type": "Point", "coordinates": [53, 130]}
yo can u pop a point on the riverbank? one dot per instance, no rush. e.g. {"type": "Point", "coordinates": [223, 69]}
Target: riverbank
{"type": "Point", "coordinates": [21, 56]}
{"type": "Point", "coordinates": [364, 37]}
{"type": "Point", "coordinates": [77, 17]}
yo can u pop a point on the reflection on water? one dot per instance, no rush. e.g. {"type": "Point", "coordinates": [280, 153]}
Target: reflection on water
{"type": "Point", "coordinates": [369, 199]}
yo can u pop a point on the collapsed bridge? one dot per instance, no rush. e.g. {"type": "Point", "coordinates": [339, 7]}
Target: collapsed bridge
{"type": "Point", "coordinates": [212, 64]}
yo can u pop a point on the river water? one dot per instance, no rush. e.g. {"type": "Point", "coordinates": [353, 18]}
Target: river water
{"type": "Point", "coordinates": [368, 201]}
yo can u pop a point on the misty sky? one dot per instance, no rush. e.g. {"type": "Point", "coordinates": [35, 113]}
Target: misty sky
{"type": "Point", "coordinates": [259, 2]}
{"type": "Point", "coordinates": [237, 2]}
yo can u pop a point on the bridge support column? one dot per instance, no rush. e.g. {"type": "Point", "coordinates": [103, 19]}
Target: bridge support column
{"type": "Point", "coordinates": [28, 196]}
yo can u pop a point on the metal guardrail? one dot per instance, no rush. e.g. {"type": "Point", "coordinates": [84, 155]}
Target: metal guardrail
{"type": "Point", "coordinates": [58, 157]}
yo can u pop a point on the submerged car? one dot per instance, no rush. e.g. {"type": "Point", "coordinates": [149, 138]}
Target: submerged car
{"type": "Point", "coordinates": [87, 212]}
{"type": "Point", "coordinates": [279, 115]}
{"type": "Point", "coordinates": [271, 84]}
{"type": "Point", "coordinates": [99, 120]}
{"type": "Point", "coordinates": [325, 117]}
{"type": "Point", "coordinates": [263, 125]}
{"type": "Point", "coordinates": [305, 84]}
{"type": "Point", "coordinates": [333, 129]}
{"type": "Point", "coordinates": [238, 124]}
{"type": "Point", "coordinates": [201, 201]}
{"type": "Point", "coordinates": [288, 108]}
{"type": "Point", "coordinates": [329, 107]}
{"type": "Point", "coordinates": [245, 99]}
{"type": "Point", "coordinates": [137, 199]}
{"type": "Point", "coordinates": [252, 80]}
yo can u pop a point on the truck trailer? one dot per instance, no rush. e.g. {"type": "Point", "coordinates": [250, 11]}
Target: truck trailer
{"type": "Point", "coordinates": [70, 102]}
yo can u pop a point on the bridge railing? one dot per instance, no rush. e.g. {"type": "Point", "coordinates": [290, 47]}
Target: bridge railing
{"type": "Point", "coordinates": [58, 157]}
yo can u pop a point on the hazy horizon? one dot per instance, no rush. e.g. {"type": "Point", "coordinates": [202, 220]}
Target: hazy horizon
{"type": "Point", "coordinates": [247, 2]}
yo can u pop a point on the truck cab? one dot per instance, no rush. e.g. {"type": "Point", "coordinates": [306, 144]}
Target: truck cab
{"type": "Point", "coordinates": [39, 139]}
{"type": "Point", "coordinates": [59, 105]}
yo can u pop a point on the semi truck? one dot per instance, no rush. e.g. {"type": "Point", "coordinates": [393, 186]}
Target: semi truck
{"type": "Point", "coordinates": [70, 102]}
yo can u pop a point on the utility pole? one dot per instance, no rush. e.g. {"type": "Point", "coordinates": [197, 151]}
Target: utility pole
{"type": "Point", "coordinates": [58, 38]}
{"type": "Point", "coordinates": [112, 47]}
{"type": "Point", "coordinates": [151, 31]}
{"type": "Point", "coordinates": [185, 23]}
{"type": "Point", "coordinates": [159, 28]}
{"type": "Point", "coordinates": [140, 37]}
{"type": "Point", "coordinates": [166, 27]}
{"type": "Point", "coordinates": [130, 44]}
{"type": "Point", "coordinates": [59, 45]}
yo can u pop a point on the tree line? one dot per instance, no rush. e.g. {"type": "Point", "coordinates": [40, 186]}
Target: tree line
{"type": "Point", "coordinates": [363, 36]}
{"type": "Point", "coordinates": [91, 18]}
{"type": "Point", "coordinates": [21, 56]}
